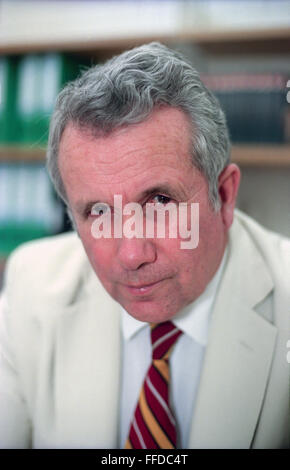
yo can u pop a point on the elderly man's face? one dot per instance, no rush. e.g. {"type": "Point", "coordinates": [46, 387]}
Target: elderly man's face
{"type": "Point", "coordinates": [152, 278]}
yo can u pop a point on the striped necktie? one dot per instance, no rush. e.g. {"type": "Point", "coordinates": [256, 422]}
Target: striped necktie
{"type": "Point", "coordinates": [153, 425]}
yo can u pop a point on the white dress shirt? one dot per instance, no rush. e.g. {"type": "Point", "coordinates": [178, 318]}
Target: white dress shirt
{"type": "Point", "coordinates": [185, 361]}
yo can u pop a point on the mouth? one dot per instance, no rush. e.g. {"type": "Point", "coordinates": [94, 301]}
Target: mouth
{"type": "Point", "coordinates": [142, 289]}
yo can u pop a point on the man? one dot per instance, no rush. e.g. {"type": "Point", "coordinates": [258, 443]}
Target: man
{"type": "Point", "coordinates": [78, 310]}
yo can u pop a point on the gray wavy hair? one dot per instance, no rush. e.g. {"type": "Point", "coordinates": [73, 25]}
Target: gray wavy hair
{"type": "Point", "coordinates": [126, 89]}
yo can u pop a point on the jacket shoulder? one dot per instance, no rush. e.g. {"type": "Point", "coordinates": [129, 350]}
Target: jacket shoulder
{"type": "Point", "coordinates": [267, 241]}
{"type": "Point", "coordinates": [272, 247]}
{"type": "Point", "coordinates": [50, 267]}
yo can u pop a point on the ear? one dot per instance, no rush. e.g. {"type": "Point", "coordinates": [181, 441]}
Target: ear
{"type": "Point", "coordinates": [229, 181]}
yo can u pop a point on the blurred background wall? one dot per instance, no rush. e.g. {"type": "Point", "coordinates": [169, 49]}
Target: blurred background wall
{"type": "Point", "coordinates": [241, 48]}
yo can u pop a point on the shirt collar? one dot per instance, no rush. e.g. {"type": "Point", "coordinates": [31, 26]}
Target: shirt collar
{"type": "Point", "coordinates": [192, 319]}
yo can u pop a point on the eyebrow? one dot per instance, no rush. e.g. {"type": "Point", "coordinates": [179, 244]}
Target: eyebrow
{"type": "Point", "coordinates": [83, 207]}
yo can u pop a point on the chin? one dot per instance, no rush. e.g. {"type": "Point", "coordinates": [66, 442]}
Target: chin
{"type": "Point", "coordinates": [149, 312]}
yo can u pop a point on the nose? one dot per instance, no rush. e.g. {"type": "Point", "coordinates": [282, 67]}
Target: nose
{"type": "Point", "coordinates": [134, 252]}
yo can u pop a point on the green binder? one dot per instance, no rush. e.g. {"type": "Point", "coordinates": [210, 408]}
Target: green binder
{"type": "Point", "coordinates": [41, 77]}
{"type": "Point", "coordinates": [9, 118]}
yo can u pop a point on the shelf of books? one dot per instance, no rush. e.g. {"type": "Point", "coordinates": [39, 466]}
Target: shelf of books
{"type": "Point", "coordinates": [255, 105]}
{"type": "Point", "coordinates": [29, 84]}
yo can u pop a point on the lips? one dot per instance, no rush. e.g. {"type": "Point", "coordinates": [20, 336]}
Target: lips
{"type": "Point", "coordinates": [141, 289]}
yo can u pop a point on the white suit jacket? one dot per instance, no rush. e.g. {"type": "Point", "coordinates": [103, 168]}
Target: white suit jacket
{"type": "Point", "coordinates": [61, 349]}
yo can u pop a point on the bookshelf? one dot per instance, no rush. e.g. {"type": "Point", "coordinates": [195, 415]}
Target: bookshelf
{"type": "Point", "coordinates": [244, 155]}
{"type": "Point", "coordinates": [216, 42]}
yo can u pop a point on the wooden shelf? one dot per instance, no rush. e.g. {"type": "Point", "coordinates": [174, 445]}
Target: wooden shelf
{"type": "Point", "coordinates": [244, 155]}
{"type": "Point", "coordinates": [278, 39]}
{"type": "Point", "coordinates": [239, 35]}
{"type": "Point", "coordinates": [261, 155]}
{"type": "Point", "coordinates": [18, 153]}
{"type": "Point", "coordinates": [2, 268]}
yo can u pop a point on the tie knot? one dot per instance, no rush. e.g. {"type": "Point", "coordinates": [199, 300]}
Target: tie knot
{"type": "Point", "coordinates": [163, 338]}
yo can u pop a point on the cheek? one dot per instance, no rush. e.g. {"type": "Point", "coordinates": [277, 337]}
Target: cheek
{"type": "Point", "coordinates": [190, 266]}
{"type": "Point", "coordinates": [100, 252]}
{"type": "Point", "coordinates": [196, 266]}
{"type": "Point", "coordinates": [212, 236]}
{"type": "Point", "coordinates": [102, 255]}
{"type": "Point", "coordinates": [185, 261]}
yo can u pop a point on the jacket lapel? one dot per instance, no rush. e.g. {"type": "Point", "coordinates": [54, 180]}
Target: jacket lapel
{"type": "Point", "coordinates": [86, 382]}
{"type": "Point", "coordinates": [239, 353]}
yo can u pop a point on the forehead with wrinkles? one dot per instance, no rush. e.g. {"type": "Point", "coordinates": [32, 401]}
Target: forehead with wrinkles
{"type": "Point", "coordinates": [158, 148]}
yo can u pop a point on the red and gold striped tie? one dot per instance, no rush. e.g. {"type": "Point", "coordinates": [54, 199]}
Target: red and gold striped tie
{"type": "Point", "coordinates": [153, 424]}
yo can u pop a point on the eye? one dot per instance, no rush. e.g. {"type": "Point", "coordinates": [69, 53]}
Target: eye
{"type": "Point", "coordinates": [99, 209]}
{"type": "Point", "coordinates": [160, 199]}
